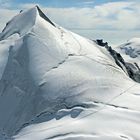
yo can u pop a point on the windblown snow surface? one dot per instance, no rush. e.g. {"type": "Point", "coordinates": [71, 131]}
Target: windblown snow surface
{"type": "Point", "coordinates": [57, 85]}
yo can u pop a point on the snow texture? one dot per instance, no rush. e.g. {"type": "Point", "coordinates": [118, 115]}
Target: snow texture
{"type": "Point", "coordinates": [57, 85]}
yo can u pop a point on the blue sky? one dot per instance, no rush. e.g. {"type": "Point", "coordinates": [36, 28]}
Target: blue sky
{"type": "Point", "coordinates": [65, 3]}
{"type": "Point", "coordinates": [114, 20]}
{"type": "Point", "coordinates": [62, 3]}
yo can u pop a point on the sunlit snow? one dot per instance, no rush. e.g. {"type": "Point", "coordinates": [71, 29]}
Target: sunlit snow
{"type": "Point", "coordinates": [55, 84]}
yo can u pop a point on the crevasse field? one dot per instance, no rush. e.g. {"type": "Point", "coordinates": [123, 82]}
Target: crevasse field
{"type": "Point", "coordinates": [57, 85]}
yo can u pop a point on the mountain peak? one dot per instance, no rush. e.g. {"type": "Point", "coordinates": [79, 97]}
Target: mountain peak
{"type": "Point", "coordinates": [44, 16]}
{"type": "Point", "coordinates": [23, 22]}
{"type": "Point", "coordinates": [52, 79]}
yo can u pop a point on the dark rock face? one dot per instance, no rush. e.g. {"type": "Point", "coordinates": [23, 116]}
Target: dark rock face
{"type": "Point", "coordinates": [132, 70]}
{"type": "Point", "coordinates": [44, 16]}
{"type": "Point", "coordinates": [101, 43]}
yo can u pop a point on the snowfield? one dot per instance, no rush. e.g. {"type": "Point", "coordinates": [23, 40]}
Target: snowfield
{"type": "Point", "coordinates": [57, 85]}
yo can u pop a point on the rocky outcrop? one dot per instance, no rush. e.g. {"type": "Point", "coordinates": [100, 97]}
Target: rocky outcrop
{"type": "Point", "coordinates": [132, 70]}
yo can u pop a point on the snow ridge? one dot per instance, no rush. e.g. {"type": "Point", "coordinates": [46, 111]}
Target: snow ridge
{"type": "Point", "coordinates": [44, 16]}
{"type": "Point", "coordinates": [22, 27]}
{"type": "Point", "coordinates": [57, 84]}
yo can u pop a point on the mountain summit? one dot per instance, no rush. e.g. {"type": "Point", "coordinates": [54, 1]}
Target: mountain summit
{"type": "Point", "coordinates": [20, 26]}
{"type": "Point", "coordinates": [55, 84]}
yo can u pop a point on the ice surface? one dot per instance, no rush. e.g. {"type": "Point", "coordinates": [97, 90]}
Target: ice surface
{"type": "Point", "coordinates": [55, 84]}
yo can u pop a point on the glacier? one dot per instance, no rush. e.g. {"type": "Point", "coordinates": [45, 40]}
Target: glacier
{"type": "Point", "coordinates": [55, 84]}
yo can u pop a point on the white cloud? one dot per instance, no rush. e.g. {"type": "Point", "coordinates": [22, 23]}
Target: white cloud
{"type": "Point", "coordinates": [28, 5]}
{"type": "Point", "coordinates": [112, 15]}
{"type": "Point", "coordinates": [5, 16]}
{"type": "Point", "coordinates": [109, 16]}
{"type": "Point", "coordinates": [88, 2]}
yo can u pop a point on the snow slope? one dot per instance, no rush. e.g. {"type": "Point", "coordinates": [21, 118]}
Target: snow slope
{"type": "Point", "coordinates": [55, 84]}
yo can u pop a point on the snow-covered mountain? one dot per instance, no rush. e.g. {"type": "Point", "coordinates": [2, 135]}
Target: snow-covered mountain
{"type": "Point", "coordinates": [55, 84]}
{"type": "Point", "coordinates": [130, 51]}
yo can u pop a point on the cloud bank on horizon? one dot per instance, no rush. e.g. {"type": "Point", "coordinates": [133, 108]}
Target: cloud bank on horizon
{"type": "Point", "coordinates": [85, 16]}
